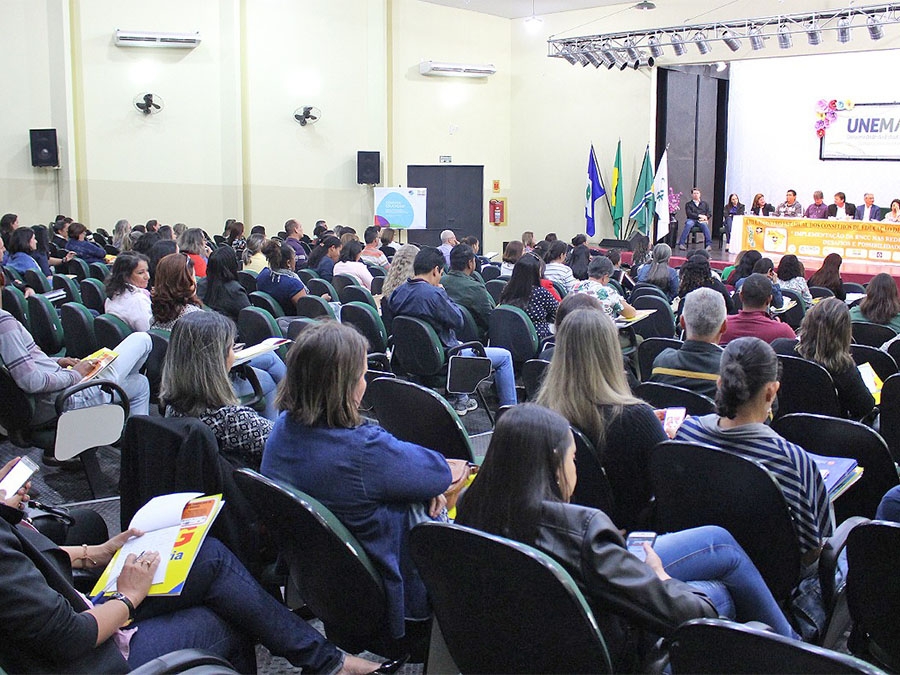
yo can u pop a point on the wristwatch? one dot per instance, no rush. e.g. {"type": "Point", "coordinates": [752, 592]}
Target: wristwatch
{"type": "Point", "coordinates": [128, 604]}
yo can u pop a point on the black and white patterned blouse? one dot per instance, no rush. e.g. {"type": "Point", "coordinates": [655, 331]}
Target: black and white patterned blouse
{"type": "Point", "coordinates": [541, 309]}
{"type": "Point", "coordinates": [240, 431]}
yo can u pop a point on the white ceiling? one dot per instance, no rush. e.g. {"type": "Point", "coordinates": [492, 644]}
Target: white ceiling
{"type": "Point", "coordinates": [517, 9]}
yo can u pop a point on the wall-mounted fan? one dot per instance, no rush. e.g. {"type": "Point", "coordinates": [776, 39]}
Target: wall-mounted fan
{"type": "Point", "coordinates": [307, 115]}
{"type": "Point", "coordinates": [148, 104]}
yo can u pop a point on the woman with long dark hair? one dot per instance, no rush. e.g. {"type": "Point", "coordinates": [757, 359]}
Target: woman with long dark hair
{"type": "Point", "coordinates": [579, 257]}
{"type": "Point", "coordinates": [234, 237]}
{"type": "Point", "coordinates": [829, 276]}
{"type": "Point", "coordinates": [323, 257]}
{"type": "Point", "coordinates": [792, 276]}
{"type": "Point", "coordinates": [732, 208]}
{"type": "Point", "coordinates": [220, 289]}
{"type": "Point", "coordinates": [86, 250]}
{"type": "Point", "coordinates": [524, 291]}
{"type": "Point", "coordinates": [522, 493]}
{"type": "Point", "coordinates": [349, 263]}
{"type": "Point", "coordinates": [659, 273]}
{"type": "Point", "coordinates": [126, 290]}
{"type": "Point", "coordinates": [744, 268]}
{"type": "Point", "coordinates": [174, 291]}
{"type": "Point", "coordinates": [759, 207]}
{"type": "Point", "coordinates": [881, 304]}
{"type": "Point", "coordinates": [41, 253]}
{"type": "Point", "coordinates": [22, 244]}
{"type": "Point", "coordinates": [696, 273]}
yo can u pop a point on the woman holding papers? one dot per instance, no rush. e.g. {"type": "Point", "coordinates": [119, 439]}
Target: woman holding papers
{"type": "Point", "coordinates": [195, 383]}
{"type": "Point", "coordinates": [47, 626]}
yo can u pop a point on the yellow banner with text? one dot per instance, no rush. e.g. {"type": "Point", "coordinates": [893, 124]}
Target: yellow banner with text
{"type": "Point", "coordinates": [851, 239]}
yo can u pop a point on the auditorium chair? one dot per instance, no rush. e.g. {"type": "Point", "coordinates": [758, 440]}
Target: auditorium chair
{"type": "Point", "coordinates": [883, 363]}
{"type": "Point", "coordinates": [110, 330]}
{"type": "Point", "coordinates": [79, 268]}
{"type": "Point", "coordinates": [852, 287]}
{"type": "Point", "coordinates": [649, 349]}
{"type": "Point", "coordinates": [93, 293]}
{"type": "Point", "coordinates": [889, 418]}
{"type": "Point", "coordinates": [78, 330]}
{"type": "Point", "coordinates": [267, 302]}
{"type": "Point", "coordinates": [820, 292]}
{"type": "Point", "coordinates": [592, 487]}
{"type": "Point", "coordinates": [495, 288]}
{"type": "Point", "coordinates": [794, 316]}
{"type": "Point", "coordinates": [377, 285]}
{"type": "Point", "coordinates": [355, 293]}
{"type": "Point", "coordinates": [511, 328]}
{"type": "Point", "coordinates": [489, 272]}
{"type": "Point", "coordinates": [247, 279]}
{"type": "Point", "coordinates": [314, 307]}
{"type": "Point", "coordinates": [67, 284]}
{"type": "Point", "coordinates": [306, 274]}
{"type": "Point", "coordinates": [36, 280]}
{"type": "Point", "coordinates": [321, 287]}
{"type": "Point", "coordinates": [660, 323]}
{"type": "Point", "coordinates": [470, 331]}
{"type": "Point", "coordinates": [660, 395]}
{"type": "Point", "coordinates": [505, 607]}
{"type": "Point", "coordinates": [46, 328]}
{"type": "Point", "coordinates": [12, 274]}
{"type": "Point", "coordinates": [806, 387]}
{"type": "Point", "coordinates": [341, 280]}
{"type": "Point", "coordinates": [872, 334]}
{"type": "Point", "coordinates": [365, 319]}
{"type": "Point", "coordinates": [643, 288]}
{"type": "Point", "coordinates": [99, 270]}
{"type": "Point", "coordinates": [15, 303]}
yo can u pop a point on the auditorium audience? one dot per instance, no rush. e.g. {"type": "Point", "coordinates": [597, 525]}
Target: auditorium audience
{"type": "Point", "coordinates": [349, 263]}
{"type": "Point", "coordinates": [556, 268]}
{"type": "Point", "coordinates": [160, 249]}
{"type": "Point", "coordinates": [22, 243]}
{"type": "Point", "coordinates": [279, 279]}
{"type": "Point", "coordinates": [732, 208]}
{"type": "Point", "coordinates": [743, 266]}
{"type": "Point", "coordinates": [696, 273]}
{"type": "Point", "coordinates": [825, 337]}
{"type": "Point", "coordinates": [61, 232]}
{"type": "Point", "coordinates": [748, 385]}
{"type": "Point", "coordinates": [528, 241]}
{"type": "Point", "coordinates": [294, 232]}
{"type": "Point", "coordinates": [195, 383]}
{"type": "Point", "coordinates": [893, 216]}
{"type": "Point", "coordinates": [220, 288]}
{"type": "Point", "coordinates": [695, 365]}
{"type": "Point", "coordinates": [640, 254]}
{"type": "Point", "coordinates": [371, 253]}
{"type": "Point", "coordinates": [194, 245]}
{"type": "Point", "coordinates": [378, 486]}
{"type": "Point", "coordinates": [759, 207]}
{"type": "Point", "coordinates": [145, 242]}
{"type": "Point", "coordinates": [8, 224]}
{"type": "Point", "coordinates": [42, 253]}
{"type": "Point", "coordinates": [829, 276]}
{"type": "Point", "coordinates": [792, 276]}
{"type": "Point", "coordinates": [467, 291]}
{"type": "Point", "coordinates": [174, 291]}
{"type": "Point", "coordinates": [524, 291]}
{"type": "Point", "coordinates": [586, 384]}
{"type": "Point", "coordinates": [86, 250]}
{"type": "Point", "coordinates": [522, 493]}
{"type": "Point", "coordinates": [121, 237]}
{"type": "Point", "coordinates": [324, 256]}
{"type": "Point", "coordinates": [401, 269]}
{"type": "Point", "coordinates": [253, 257]}
{"type": "Point", "coordinates": [881, 304]}
{"type": "Point", "coordinates": [126, 290]}
{"type": "Point", "coordinates": [818, 210]}
{"type": "Point", "coordinates": [597, 285]}
{"type": "Point", "coordinates": [579, 257]}
{"type": "Point", "coordinates": [766, 267]}
{"type": "Point", "coordinates": [234, 237]}
{"type": "Point", "coordinates": [658, 272]}
{"type": "Point", "coordinates": [753, 319]}
{"type": "Point", "coordinates": [167, 232]}
{"type": "Point", "coordinates": [514, 250]}
{"type": "Point", "coordinates": [448, 241]}
{"type": "Point", "coordinates": [387, 242]}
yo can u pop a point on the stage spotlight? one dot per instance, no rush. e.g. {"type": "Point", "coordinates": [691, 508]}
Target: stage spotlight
{"type": "Point", "coordinates": [813, 34]}
{"type": "Point", "coordinates": [655, 49]}
{"type": "Point", "coordinates": [731, 40]}
{"type": "Point", "coordinates": [582, 59]}
{"type": "Point", "coordinates": [595, 60]}
{"type": "Point", "coordinates": [757, 41]}
{"type": "Point", "coordinates": [785, 41]}
{"type": "Point", "coordinates": [606, 51]}
{"type": "Point", "coordinates": [843, 30]}
{"type": "Point", "coordinates": [631, 50]}
{"type": "Point", "coordinates": [876, 32]}
{"type": "Point", "coordinates": [702, 45]}
{"type": "Point", "coordinates": [567, 55]}
{"type": "Point", "coordinates": [678, 45]}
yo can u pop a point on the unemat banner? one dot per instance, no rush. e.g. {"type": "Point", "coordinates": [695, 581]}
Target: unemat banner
{"type": "Point", "coordinates": [867, 131]}
{"type": "Point", "coordinates": [851, 239]}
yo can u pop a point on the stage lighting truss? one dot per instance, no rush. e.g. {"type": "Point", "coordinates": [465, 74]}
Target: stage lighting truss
{"type": "Point", "coordinates": [629, 50]}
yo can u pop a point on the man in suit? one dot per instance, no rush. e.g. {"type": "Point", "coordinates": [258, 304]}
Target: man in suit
{"type": "Point", "coordinates": [697, 213]}
{"type": "Point", "coordinates": [841, 209]}
{"type": "Point", "coordinates": [869, 211]}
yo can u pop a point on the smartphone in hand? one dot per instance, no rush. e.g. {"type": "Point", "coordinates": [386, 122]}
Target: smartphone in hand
{"type": "Point", "coordinates": [635, 543]}
{"type": "Point", "coordinates": [20, 473]}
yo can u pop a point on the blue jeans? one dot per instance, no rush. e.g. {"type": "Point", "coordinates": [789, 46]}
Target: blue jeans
{"type": "Point", "coordinates": [224, 610]}
{"type": "Point", "coordinates": [709, 558]}
{"type": "Point", "coordinates": [688, 226]}
{"type": "Point", "coordinates": [504, 375]}
{"type": "Point", "coordinates": [270, 370]}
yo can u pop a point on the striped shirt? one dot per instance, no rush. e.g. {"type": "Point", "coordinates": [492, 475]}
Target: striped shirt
{"type": "Point", "coordinates": [796, 472]}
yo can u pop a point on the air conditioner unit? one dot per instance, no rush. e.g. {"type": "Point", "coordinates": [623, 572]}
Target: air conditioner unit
{"type": "Point", "coordinates": [142, 38]}
{"type": "Point", "coordinates": [432, 68]}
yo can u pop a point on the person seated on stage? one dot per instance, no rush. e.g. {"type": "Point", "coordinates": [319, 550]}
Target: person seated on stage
{"type": "Point", "coordinates": [792, 276]}
{"type": "Point", "coordinates": [732, 208]}
{"type": "Point", "coordinates": [195, 383]}
{"type": "Point", "coordinates": [465, 290]}
{"type": "Point", "coordinates": [697, 212]}
{"type": "Point", "coordinates": [696, 273]}
{"type": "Point", "coordinates": [597, 285]}
{"type": "Point", "coordinates": [881, 304]}
{"type": "Point", "coordinates": [759, 207]}
{"type": "Point", "coordinates": [659, 273]}
{"type": "Point", "coordinates": [423, 298]}
{"type": "Point", "coordinates": [825, 337]}
{"type": "Point", "coordinates": [767, 267]}
{"type": "Point", "coordinates": [371, 253]}
{"type": "Point", "coordinates": [893, 216]}
{"type": "Point", "coordinates": [870, 211]}
{"type": "Point", "coordinates": [48, 626]}
{"type": "Point", "coordinates": [818, 210]}
{"type": "Point", "coordinates": [44, 378]}
{"type": "Point", "coordinates": [695, 365]}
{"type": "Point", "coordinates": [790, 207]}
{"type": "Point", "coordinates": [841, 209]}
{"type": "Point", "coordinates": [556, 268]}
{"type": "Point", "coordinates": [754, 319]}
{"type": "Point", "coordinates": [748, 385]}
{"type": "Point", "coordinates": [522, 493]}
{"type": "Point", "coordinates": [829, 276]}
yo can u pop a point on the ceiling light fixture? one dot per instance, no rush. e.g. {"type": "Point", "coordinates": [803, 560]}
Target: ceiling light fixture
{"type": "Point", "coordinates": [631, 50]}
{"type": "Point", "coordinates": [757, 41]}
{"type": "Point", "coordinates": [645, 5]}
{"type": "Point", "coordinates": [731, 40]}
{"type": "Point", "coordinates": [656, 49]}
{"type": "Point", "coordinates": [678, 45]}
{"type": "Point", "coordinates": [843, 30]}
{"type": "Point", "coordinates": [785, 41]}
{"type": "Point", "coordinates": [814, 33]}
{"type": "Point", "coordinates": [702, 45]}
{"type": "Point", "coordinates": [876, 32]}
{"type": "Point", "coordinates": [534, 21]}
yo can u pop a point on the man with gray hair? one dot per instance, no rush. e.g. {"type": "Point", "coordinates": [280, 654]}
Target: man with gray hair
{"type": "Point", "coordinates": [695, 365]}
{"type": "Point", "coordinates": [448, 241]}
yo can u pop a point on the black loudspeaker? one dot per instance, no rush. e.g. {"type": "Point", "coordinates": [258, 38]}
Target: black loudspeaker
{"type": "Point", "coordinates": [44, 150]}
{"type": "Point", "coordinates": [368, 167]}
{"type": "Point", "coordinates": [616, 243]}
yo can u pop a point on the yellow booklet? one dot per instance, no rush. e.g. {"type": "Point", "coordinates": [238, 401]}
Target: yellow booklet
{"type": "Point", "coordinates": [176, 524]}
{"type": "Point", "coordinates": [103, 358]}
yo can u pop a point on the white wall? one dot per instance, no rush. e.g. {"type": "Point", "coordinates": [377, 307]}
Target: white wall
{"type": "Point", "coordinates": [772, 143]}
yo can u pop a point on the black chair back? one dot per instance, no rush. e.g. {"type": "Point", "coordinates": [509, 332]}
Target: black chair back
{"type": "Point", "coordinates": [93, 293]}
{"type": "Point", "coordinates": [659, 324]}
{"type": "Point", "coordinates": [314, 307]}
{"type": "Point", "coordinates": [504, 607]}
{"type": "Point", "coordinates": [714, 646]}
{"type": "Point", "coordinates": [417, 348]}
{"type": "Point", "coordinates": [154, 365]}
{"type": "Point", "coordinates": [354, 293]}
{"type": "Point", "coordinates": [882, 363]}
{"type": "Point", "coordinates": [853, 287]}
{"type": "Point", "coordinates": [110, 330]}
{"type": "Point", "coordinates": [806, 387]}
{"type": "Point", "coordinates": [255, 324]}
{"type": "Point", "coordinates": [37, 281]}
{"type": "Point", "coordinates": [649, 349]}
{"type": "Point", "coordinates": [889, 419]}
{"type": "Point", "coordinates": [643, 288]}
{"type": "Point", "coordinates": [321, 287]}
{"type": "Point", "coordinates": [697, 485]}
{"type": "Point", "coordinates": [306, 274]}
{"type": "Point", "coordinates": [495, 288]}
{"type": "Point", "coordinates": [15, 303]}
{"type": "Point", "coordinates": [79, 268]}
{"type": "Point", "coordinates": [247, 279]}
{"type": "Point", "coordinates": [490, 272]}
{"type": "Point", "coordinates": [872, 334]}
{"type": "Point", "coordinates": [873, 591]}
{"type": "Point", "coordinates": [533, 372]}
{"type": "Point", "coordinates": [592, 487]}
{"type": "Point", "coordinates": [434, 425]}
{"type": "Point", "coordinates": [78, 328]}
{"type": "Point", "coordinates": [661, 395]}
{"type": "Point", "coordinates": [820, 292]}
{"type": "Point", "coordinates": [46, 328]}
{"type": "Point", "coordinates": [794, 316]}
{"type": "Point", "coordinates": [365, 319]}
{"type": "Point", "coordinates": [64, 283]}
{"type": "Point", "coordinates": [341, 280]}
{"type": "Point", "coordinates": [511, 328]}
{"type": "Point", "coordinates": [377, 285]}
{"type": "Point", "coordinates": [469, 331]}
{"type": "Point", "coordinates": [99, 270]}
{"type": "Point", "coordinates": [833, 437]}
{"type": "Point", "coordinates": [266, 302]}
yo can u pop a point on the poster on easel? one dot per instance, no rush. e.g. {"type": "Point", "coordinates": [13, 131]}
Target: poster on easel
{"type": "Point", "coordinates": [400, 208]}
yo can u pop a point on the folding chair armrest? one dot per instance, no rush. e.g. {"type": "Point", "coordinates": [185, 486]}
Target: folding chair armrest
{"type": "Point", "coordinates": [107, 386]}
{"type": "Point", "coordinates": [475, 346]}
{"type": "Point", "coordinates": [828, 558]}
{"type": "Point", "coordinates": [869, 419]}
{"type": "Point", "coordinates": [246, 371]}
